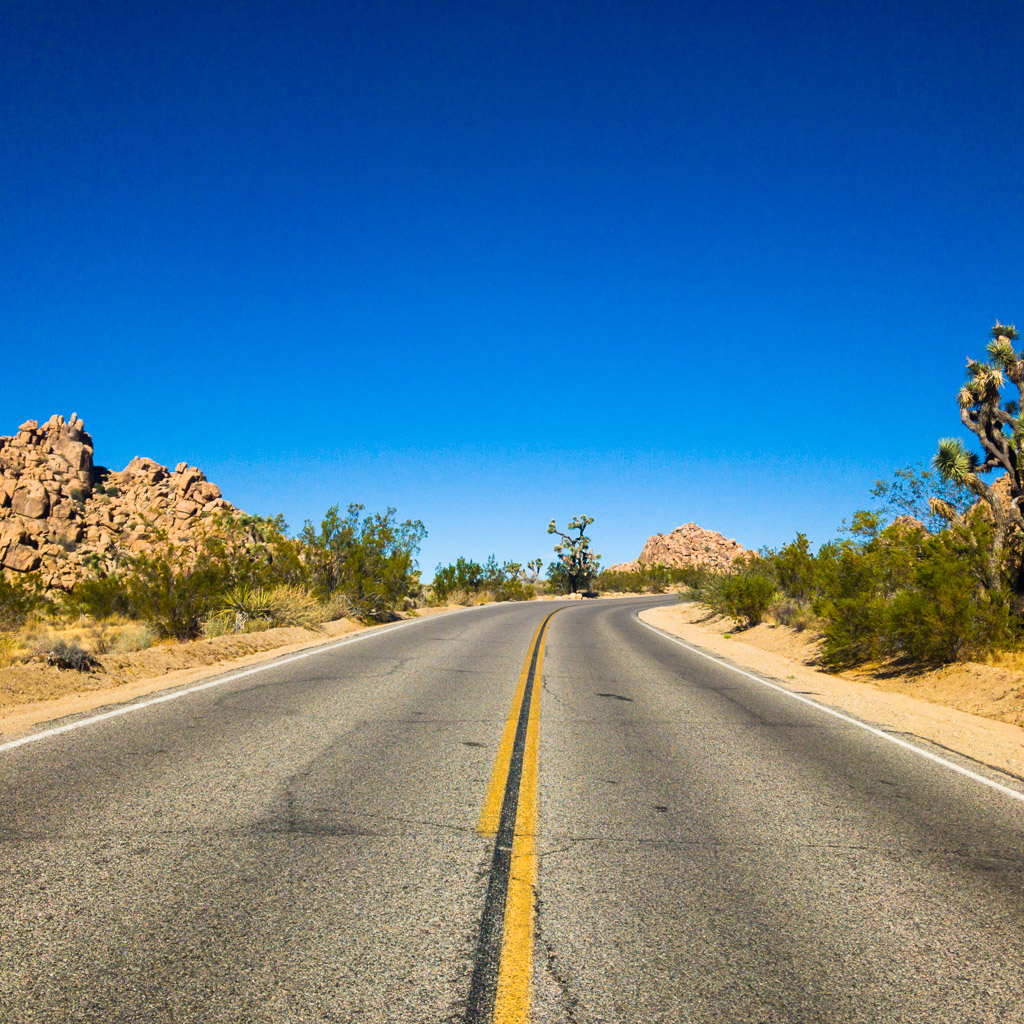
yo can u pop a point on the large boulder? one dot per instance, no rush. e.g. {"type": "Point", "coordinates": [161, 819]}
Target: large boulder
{"type": "Point", "coordinates": [30, 500]}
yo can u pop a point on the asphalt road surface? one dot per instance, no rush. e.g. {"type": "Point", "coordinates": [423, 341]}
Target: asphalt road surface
{"type": "Point", "coordinates": [308, 843]}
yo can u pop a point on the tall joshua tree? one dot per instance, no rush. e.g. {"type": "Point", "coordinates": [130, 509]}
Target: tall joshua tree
{"type": "Point", "coordinates": [577, 563]}
{"type": "Point", "coordinates": [997, 425]}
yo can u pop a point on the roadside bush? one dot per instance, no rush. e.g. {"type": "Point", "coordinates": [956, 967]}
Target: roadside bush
{"type": "Point", "coordinates": [371, 560]}
{"type": "Point", "coordinates": [647, 579]}
{"type": "Point", "coordinates": [66, 654]}
{"type": "Point", "coordinates": [174, 595]}
{"type": "Point", "coordinates": [465, 581]}
{"type": "Point", "coordinates": [746, 597]}
{"type": "Point", "coordinates": [906, 595]}
{"type": "Point", "coordinates": [292, 606]}
{"type": "Point", "coordinates": [8, 649]}
{"type": "Point", "coordinates": [787, 611]}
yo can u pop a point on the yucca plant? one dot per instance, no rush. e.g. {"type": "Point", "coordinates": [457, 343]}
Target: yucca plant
{"type": "Point", "coordinates": [996, 423]}
{"type": "Point", "coordinates": [247, 603]}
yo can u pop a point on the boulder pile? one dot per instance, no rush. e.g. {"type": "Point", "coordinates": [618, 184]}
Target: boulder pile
{"type": "Point", "coordinates": [686, 545]}
{"type": "Point", "coordinates": [65, 518]}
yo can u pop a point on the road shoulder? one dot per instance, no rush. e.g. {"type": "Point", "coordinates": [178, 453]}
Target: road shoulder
{"type": "Point", "coordinates": [997, 744]}
{"type": "Point", "coordinates": [19, 718]}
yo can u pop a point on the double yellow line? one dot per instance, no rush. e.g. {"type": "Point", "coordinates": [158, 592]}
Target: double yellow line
{"type": "Point", "coordinates": [500, 990]}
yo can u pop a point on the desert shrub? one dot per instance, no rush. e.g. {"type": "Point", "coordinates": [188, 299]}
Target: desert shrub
{"type": "Point", "coordinates": [787, 611]}
{"type": "Point", "coordinates": [338, 606]}
{"type": "Point", "coordinates": [293, 606]}
{"type": "Point", "coordinates": [906, 595]}
{"type": "Point", "coordinates": [646, 579]}
{"type": "Point", "coordinates": [255, 551]}
{"type": "Point", "coordinates": [8, 649]}
{"type": "Point", "coordinates": [18, 599]}
{"type": "Point", "coordinates": [371, 560]}
{"type": "Point", "coordinates": [134, 638]}
{"type": "Point", "coordinates": [746, 597]}
{"type": "Point", "coordinates": [465, 581]}
{"type": "Point", "coordinates": [100, 597]}
{"type": "Point", "coordinates": [218, 624]}
{"type": "Point", "coordinates": [101, 637]}
{"type": "Point", "coordinates": [173, 593]}
{"type": "Point", "coordinates": [66, 654]}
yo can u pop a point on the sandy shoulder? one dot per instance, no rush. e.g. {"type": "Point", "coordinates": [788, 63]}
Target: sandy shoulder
{"type": "Point", "coordinates": [998, 744]}
{"type": "Point", "coordinates": [125, 678]}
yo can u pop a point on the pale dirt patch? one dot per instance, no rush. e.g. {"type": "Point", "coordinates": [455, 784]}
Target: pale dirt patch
{"type": "Point", "coordinates": [974, 709]}
{"type": "Point", "coordinates": [34, 693]}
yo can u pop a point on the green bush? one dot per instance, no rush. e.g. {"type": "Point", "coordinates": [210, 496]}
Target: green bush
{"type": "Point", "coordinates": [464, 581]}
{"type": "Point", "coordinates": [175, 591]}
{"type": "Point", "coordinates": [18, 599]}
{"type": "Point", "coordinates": [371, 560]}
{"type": "Point", "coordinates": [747, 596]}
{"type": "Point", "coordinates": [906, 595]}
{"type": "Point", "coordinates": [100, 597]}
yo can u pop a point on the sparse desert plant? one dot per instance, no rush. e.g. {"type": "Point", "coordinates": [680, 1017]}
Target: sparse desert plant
{"type": "Point", "coordinates": [338, 606]}
{"type": "Point", "coordinates": [134, 638]}
{"type": "Point", "coordinates": [462, 597]}
{"type": "Point", "coordinates": [66, 654]}
{"type": "Point", "coordinates": [101, 637]}
{"type": "Point", "coordinates": [218, 624]}
{"type": "Point", "coordinates": [8, 649]}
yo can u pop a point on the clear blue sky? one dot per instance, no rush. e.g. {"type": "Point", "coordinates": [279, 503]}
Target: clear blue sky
{"type": "Point", "coordinates": [493, 263]}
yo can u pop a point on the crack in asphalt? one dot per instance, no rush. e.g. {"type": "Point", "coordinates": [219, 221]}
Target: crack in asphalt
{"type": "Point", "coordinates": [570, 1002]}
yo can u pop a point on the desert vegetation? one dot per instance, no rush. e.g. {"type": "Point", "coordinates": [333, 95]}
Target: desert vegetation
{"type": "Point", "coordinates": [467, 582]}
{"type": "Point", "coordinates": [241, 574]}
{"type": "Point", "coordinates": [576, 565]}
{"type": "Point", "coordinates": [933, 573]}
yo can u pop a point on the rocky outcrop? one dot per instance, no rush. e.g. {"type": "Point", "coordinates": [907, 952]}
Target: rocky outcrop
{"type": "Point", "coordinates": [686, 545]}
{"type": "Point", "coordinates": [64, 518]}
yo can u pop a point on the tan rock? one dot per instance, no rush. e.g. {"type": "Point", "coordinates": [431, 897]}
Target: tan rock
{"type": "Point", "coordinates": [31, 500]}
{"type": "Point", "coordinates": [687, 545]}
{"type": "Point", "coordinates": [21, 558]}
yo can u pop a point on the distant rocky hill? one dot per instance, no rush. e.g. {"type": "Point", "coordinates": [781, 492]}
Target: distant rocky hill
{"type": "Point", "coordinates": [686, 545]}
{"type": "Point", "coordinates": [63, 517]}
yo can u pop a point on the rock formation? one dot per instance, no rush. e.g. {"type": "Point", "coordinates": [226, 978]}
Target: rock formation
{"type": "Point", "coordinates": [64, 518]}
{"type": "Point", "coordinates": [686, 545]}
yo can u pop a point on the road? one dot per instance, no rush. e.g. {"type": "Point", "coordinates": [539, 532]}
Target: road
{"type": "Point", "coordinates": [314, 842]}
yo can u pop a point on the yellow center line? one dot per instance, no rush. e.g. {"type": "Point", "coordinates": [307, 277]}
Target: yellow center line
{"type": "Point", "coordinates": [512, 992]}
{"type": "Point", "coordinates": [512, 1003]}
{"type": "Point", "coordinates": [490, 814]}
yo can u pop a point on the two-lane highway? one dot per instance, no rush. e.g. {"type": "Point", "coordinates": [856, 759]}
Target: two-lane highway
{"type": "Point", "coordinates": [309, 843]}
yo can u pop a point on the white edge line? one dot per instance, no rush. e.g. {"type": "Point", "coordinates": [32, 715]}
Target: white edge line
{"type": "Point", "coordinates": [881, 734]}
{"type": "Point", "coordinates": [127, 709]}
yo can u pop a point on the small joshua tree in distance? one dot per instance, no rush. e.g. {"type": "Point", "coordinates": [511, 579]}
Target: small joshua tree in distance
{"type": "Point", "coordinates": [576, 564]}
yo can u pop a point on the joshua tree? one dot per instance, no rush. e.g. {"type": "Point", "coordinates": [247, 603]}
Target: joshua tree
{"type": "Point", "coordinates": [997, 425]}
{"type": "Point", "coordinates": [577, 564]}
